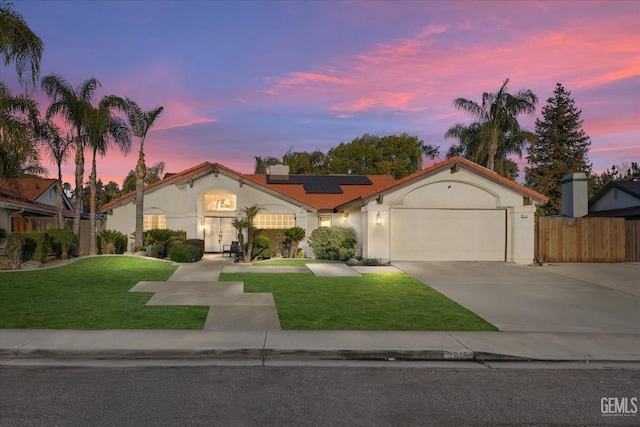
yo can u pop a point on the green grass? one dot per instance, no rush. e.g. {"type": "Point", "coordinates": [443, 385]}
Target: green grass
{"type": "Point", "coordinates": [91, 293]}
{"type": "Point", "coordinates": [292, 262]}
{"type": "Point", "coordinates": [377, 301]}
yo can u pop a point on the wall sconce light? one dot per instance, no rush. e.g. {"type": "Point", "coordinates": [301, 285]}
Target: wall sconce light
{"type": "Point", "coordinates": [378, 219]}
{"type": "Point", "coordinates": [345, 217]}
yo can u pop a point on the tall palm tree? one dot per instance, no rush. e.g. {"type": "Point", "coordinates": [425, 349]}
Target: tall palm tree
{"type": "Point", "coordinates": [71, 104]}
{"type": "Point", "coordinates": [498, 115]}
{"type": "Point", "coordinates": [57, 147]}
{"type": "Point", "coordinates": [18, 43]}
{"type": "Point", "coordinates": [18, 123]}
{"type": "Point", "coordinates": [103, 129]}
{"type": "Point", "coordinates": [141, 122]}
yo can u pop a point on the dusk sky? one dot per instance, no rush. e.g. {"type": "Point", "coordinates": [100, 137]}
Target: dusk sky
{"type": "Point", "coordinates": [240, 79]}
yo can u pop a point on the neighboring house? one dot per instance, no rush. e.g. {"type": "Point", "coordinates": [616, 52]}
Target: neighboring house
{"type": "Point", "coordinates": [24, 198]}
{"type": "Point", "coordinates": [617, 199]}
{"type": "Point", "coordinates": [454, 210]}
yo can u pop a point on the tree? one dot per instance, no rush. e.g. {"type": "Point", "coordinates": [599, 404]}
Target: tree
{"type": "Point", "coordinates": [262, 163]}
{"type": "Point", "coordinates": [19, 119]}
{"type": "Point", "coordinates": [294, 235]}
{"type": "Point", "coordinates": [154, 174]}
{"type": "Point", "coordinates": [141, 122]}
{"type": "Point", "coordinates": [393, 155]}
{"type": "Point", "coordinates": [470, 147]}
{"type": "Point", "coordinates": [58, 149]}
{"type": "Point", "coordinates": [103, 129]}
{"type": "Point", "coordinates": [19, 44]}
{"type": "Point", "coordinates": [625, 171]}
{"type": "Point", "coordinates": [497, 116]}
{"type": "Point", "coordinates": [561, 148]}
{"type": "Point", "coordinates": [71, 104]}
{"type": "Point", "coordinates": [250, 213]}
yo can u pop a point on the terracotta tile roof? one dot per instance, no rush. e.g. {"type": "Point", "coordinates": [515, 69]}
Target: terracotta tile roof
{"type": "Point", "coordinates": [324, 202]}
{"type": "Point", "coordinates": [29, 188]}
{"type": "Point", "coordinates": [480, 170]}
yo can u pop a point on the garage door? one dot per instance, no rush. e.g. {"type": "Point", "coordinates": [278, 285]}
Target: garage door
{"type": "Point", "coordinates": [448, 234]}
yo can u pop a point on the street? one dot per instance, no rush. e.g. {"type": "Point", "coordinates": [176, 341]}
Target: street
{"type": "Point", "coordinates": [473, 394]}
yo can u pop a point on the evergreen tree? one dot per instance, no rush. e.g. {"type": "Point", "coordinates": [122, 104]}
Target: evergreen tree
{"type": "Point", "coordinates": [561, 148]}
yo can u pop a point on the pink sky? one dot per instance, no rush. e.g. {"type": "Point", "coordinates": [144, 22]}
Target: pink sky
{"type": "Point", "coordinates": [239, 80]}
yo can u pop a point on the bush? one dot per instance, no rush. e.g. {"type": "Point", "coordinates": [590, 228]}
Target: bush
{"type": "Point", "coordinates": [181, 252]}
{"type": "Point", "coordinates": [63, 241]}
{"type": "Point", "coordinates": [279, 242]}
{"type": "Point", "coordinates": [112, 242]}
{"type": "Point", "coordinates": [370, 262]}
{"type": "Point", "coordinates": [15, 248]}
{"type": "Point", "coordinates": [37, 245]}
{"type": "Point", "coordinates": [261, 245]}
{"type": "Point", "coordinates": [333, 243]}
{"type": "Point", "coordinates": [294, 235]}
{"type": "Point", "coordinates": [199, 243]}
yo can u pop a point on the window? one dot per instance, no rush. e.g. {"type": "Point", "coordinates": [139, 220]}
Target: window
{"type": "Point", "coordinates": [219, 202]}
{"type": "Point", "coordinates": [279, 221]}
{"type": "Point", "coordinates": [154, 221]}
{"type": "Point", "coordinates": [325, 221]}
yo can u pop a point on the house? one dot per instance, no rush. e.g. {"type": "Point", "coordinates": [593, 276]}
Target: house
{"type": "Point", "coordinates": [22, 199]}
{"type": "Point", "coordinates": [454, 210]}
{"type": "Point", "coordinates": [617, 199]}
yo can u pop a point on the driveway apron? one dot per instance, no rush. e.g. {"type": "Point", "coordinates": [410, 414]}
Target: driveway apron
{"type": "Point", "coordinates": [514, 297]}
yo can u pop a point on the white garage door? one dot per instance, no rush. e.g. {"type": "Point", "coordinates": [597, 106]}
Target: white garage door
{"type": "Point", "coordinates": [448, 234]}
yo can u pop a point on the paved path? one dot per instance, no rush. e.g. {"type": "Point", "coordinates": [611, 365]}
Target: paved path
{"type": "Point", "coordinates": [229, 307]}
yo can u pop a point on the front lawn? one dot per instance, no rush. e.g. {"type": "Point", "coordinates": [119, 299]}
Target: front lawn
{"type": "Point", "coordinates": [92, 293]}
{"type": "Point", "coordinates": [379, 301]}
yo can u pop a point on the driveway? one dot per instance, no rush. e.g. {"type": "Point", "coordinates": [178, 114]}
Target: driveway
{"type": "Point", "coordinates": [596, 298]}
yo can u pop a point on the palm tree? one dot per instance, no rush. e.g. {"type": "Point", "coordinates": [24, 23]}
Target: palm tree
{"type": "Point", "coordinates": [18, 43]}
{"type": "Point", "coordinates": [71, 104]}
{"type": "Point", "coordinates": [497, 116]}
{"type": "Point", "coordinates": [103, 129]}
{"type": "Point", "coordinates": [141, 122]}
{"type": "Point", "coordinates": [58, 150]}
{"type": "Point", "coordinates": [18, 123]}
{"type": "Point", "coordinates": [250, 213]}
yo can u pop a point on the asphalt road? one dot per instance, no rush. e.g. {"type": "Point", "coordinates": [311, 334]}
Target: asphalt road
{"type": "Point", "coordinates": [322, 396]}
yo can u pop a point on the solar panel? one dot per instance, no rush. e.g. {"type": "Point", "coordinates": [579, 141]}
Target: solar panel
{"type": "Point", "coordinates": [323, 184]}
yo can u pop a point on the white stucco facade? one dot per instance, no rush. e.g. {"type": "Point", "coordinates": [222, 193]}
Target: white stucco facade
{"type": "Point", "coordinates": [451, 211]}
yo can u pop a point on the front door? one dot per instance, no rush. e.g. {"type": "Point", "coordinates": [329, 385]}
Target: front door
{"type": "Point", "coordinates": [218, 232]}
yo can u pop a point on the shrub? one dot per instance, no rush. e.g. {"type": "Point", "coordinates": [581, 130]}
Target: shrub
{"type": "Point", "coordinates": [261, 244]}
{"type": "Point", "coordinates": [15, 247]}
{"type": "Point", "coordinates": [63, 241]}
{"type": "Point", "coordinates": [112, 242]}
{"type": "Point", "coordinates": [194, 242]}
{"type": "Point", "coordinates": [37, 245]}
{"type": "Point", "coordinates": [279, 243]}
{"type": "Point", "coordinates": [294, 235]}
{"type": "Point", "coordinates": [163, 237]}
{"type": "Point", "coordinates": [370, 261]}
{"type": "Point", "coordinates": [154, 251]}
{"type": "Point", "coordinates": [333, 243]}
{"type": "Point", "coordinates": [181, 252]}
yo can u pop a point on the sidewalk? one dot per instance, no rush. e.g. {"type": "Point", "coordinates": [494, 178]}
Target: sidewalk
{"type": "Point", "coordinates": [266, 343]}
{"type": "Point", "coordinates": [324, 345]}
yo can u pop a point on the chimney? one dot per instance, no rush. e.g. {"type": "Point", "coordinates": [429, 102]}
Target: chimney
{"type": "Point", "coordinates": [279, 172]}
{"type": "Point", "coordinates": [575, 195]}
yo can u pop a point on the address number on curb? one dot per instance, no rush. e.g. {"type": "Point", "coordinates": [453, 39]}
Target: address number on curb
{"type": "Point", "coordinates": [458, 354]}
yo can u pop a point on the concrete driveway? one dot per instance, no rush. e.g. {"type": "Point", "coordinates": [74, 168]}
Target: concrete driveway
{"type": "Point", "coordinates": [596, 298]}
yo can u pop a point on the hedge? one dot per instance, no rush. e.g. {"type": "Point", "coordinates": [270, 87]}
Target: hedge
{"type": "Point", "coordinates": [334, 243]}
{"type": "Point", "coordinates": [181, 252]}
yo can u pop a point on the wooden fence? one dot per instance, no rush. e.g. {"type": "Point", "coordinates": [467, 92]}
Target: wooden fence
{"type": "Point", "coordinates": [563, 239]}
{"type": "Point", "coordinates": [632, 240]}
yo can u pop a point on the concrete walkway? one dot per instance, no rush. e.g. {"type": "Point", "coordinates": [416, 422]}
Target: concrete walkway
{"type": "Point", "coordinates": [229, 307]}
